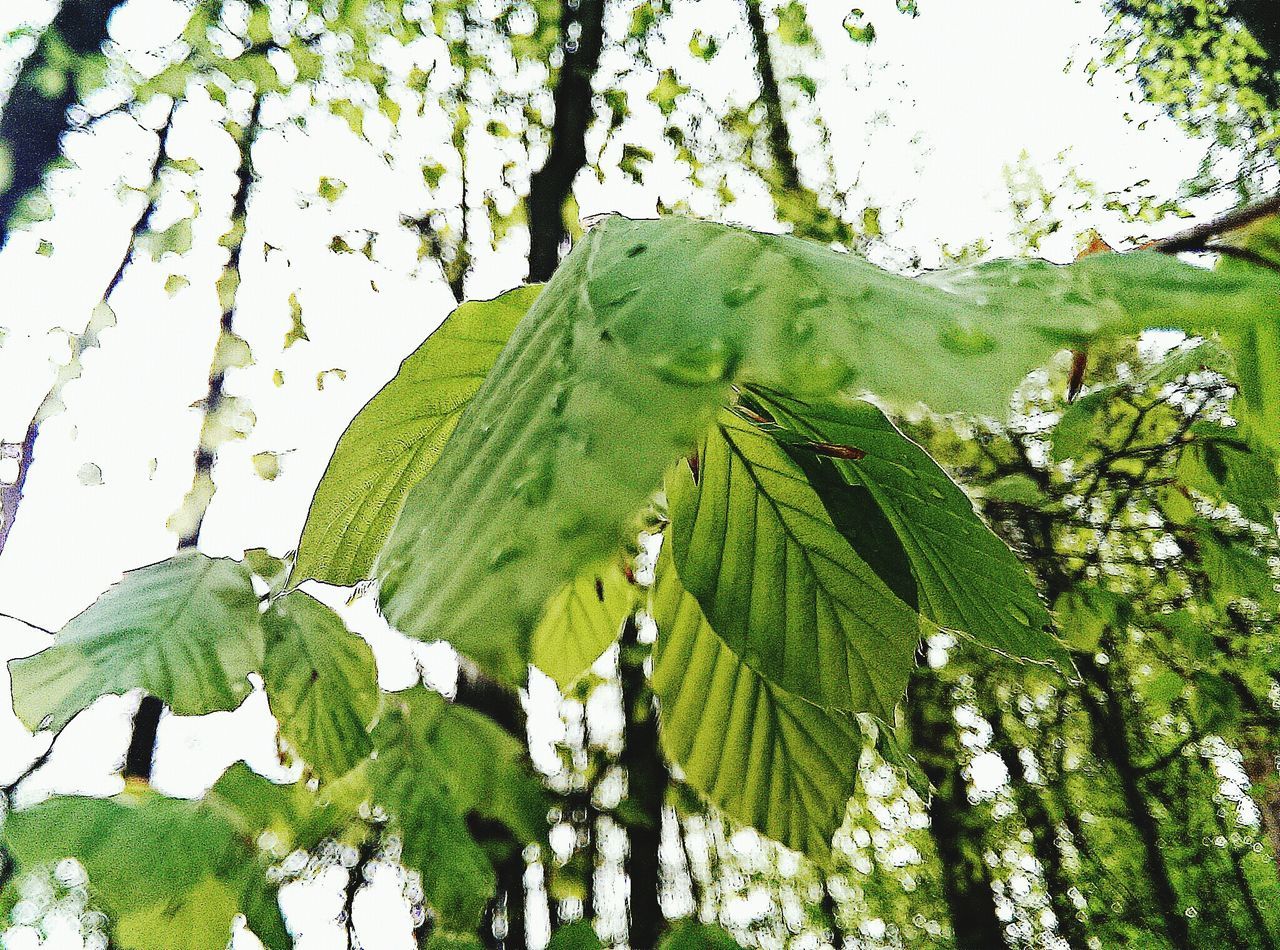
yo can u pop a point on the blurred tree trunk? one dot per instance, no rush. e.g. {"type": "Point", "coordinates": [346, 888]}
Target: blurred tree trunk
{"type": "Point", "coordinates": [1107, 716]}
{"type": "Point", "coordinates": [1035, 814]}
{"type": "Point", "coordinates": [552, 184]}
{"type": "Point", "coordinates": [35, 116]}
{"type": "Point", "coordinates": [953, 824]}
{"type": "Point", "coordinates": [31, 128]}
{"type": "Point", "coordinates": [647, 782]}
{"type": "Point", "coordinates": [502, 705]}
{"type": "Point", "coordinates": [794, 201]}
{"type": "Point", "coordinates": [140, 757]}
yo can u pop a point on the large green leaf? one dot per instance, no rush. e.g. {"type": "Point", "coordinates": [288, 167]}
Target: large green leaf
{"type": "Point", "coordinates": [394, 440]}
{"type": "Point", "coordinates": [171, 874]}
{"type": "Point", "coordinates": [322, 684]}
{"type": "Point", "coordinates": [621, 363]}
{"type": "Point", "coordinates": [780, 578]}
{"type": "Point", "coordinates": [967, 579]}
{"type": "Point", "coordinates": [581, 621]}
{"type": "Point", "coordinates": [763, 755]}
{"type": "Point", "coordinates": [186, 630]}
{"type": "Point", "coordinates": [1255, 345]}
{"type": "Point", "coordinates": [436, 764]}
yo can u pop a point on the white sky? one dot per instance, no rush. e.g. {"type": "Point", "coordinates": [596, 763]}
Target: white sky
{"type": "Point", "coordinates": [965, 88]}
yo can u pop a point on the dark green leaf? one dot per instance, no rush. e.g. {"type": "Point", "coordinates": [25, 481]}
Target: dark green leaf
{"type": "Point", "coordinates": [779, 579]}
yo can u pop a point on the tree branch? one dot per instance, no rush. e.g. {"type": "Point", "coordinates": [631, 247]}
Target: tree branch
{"type": "Point", "coordinates": [1195, 238]}
{"type": "Point", "coordinates": [552, 184]}
{"type": "Point", "coordinates": [35, 117]}
{"type": "Point", "coordinates": [11, 492]}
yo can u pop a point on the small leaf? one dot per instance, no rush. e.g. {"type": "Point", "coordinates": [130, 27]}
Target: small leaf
{"type": "Point", "coordinates": [689, 934]}
{"type": "Point", "coordinates": [579, 935]}
{"type": "Point", "coordinates": [581, 622]}
{"type": "Point", "coordinates": [322, 684]}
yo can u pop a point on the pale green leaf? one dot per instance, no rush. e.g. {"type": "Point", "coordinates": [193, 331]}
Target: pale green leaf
{"type": "Point", "coordinates": [393, 442]}
{"type": "Point", "coordinates": [185, 630]}
{"type": "Point", "coordinates": [322, 684]}
{"type": "Point", "coordinates": [763, 755]}
{"type": "Point", "coordinates": [581, 621]}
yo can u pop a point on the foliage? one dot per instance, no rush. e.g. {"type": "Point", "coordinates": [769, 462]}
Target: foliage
{"type": "Point", "coordinates": [1097, 603]}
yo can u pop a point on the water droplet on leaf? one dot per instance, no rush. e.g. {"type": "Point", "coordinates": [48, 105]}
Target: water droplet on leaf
{"type": "Point", "coordinates": [967, 340]}
{"type": "Point", "coordinates": [743, 293]}
{"type": "Point", "coordinates": [707, 361]}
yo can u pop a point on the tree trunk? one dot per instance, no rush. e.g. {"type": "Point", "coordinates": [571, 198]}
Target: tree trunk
{"type": "Point", "coordinates": [140, 757]}
{"type": "Point", "coordinates": [552, 184]}
{"type": "Point", "coordinates": [503, 706]}
{"type": "Point", "coordinates": [955, 828]}
{"type": "Point", "coordinates": [1035, 815]}
{"type": "Point", "coordinates": [646, 787]}
{"type": "Point", "coordinates": [794, 202]}
{"type": "Point", "coordinates": [11, 492]}
{"type": "Point", "coordinates": [1107, 716]}
{"type": "Point", "coordinates": [35, 117]}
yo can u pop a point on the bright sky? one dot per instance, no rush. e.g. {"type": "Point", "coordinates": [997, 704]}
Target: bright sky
{"type": "Point", "coordinates": [927, 118]}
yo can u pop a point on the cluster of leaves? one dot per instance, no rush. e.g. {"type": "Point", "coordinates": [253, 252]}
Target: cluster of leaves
{"type": "Point", "coordinates": [808, 541]}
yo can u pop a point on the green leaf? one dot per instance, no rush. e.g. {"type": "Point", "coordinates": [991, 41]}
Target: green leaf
{"type": "Point", "coordinates": [1228, 465]}
{"type": "Point", "coordinates": [1256, 345]}
{"type": "Point", "coordinates": [581, 621]}
{"type": "Point", "coordinates": [443, 940]}
{"type": "Point", "coordinates": [1237, 565]}
{"type": "Point", "coordinates": [437, 763]}
{"type": "Point", "coordinates": [172, 874]}
{"type": "Point", "coordinates": [1086, 612]}
{"type": "Point", "coordinates": [1015, 489]}
{"type": "Point", "coordinates": [621, 363]}
{"type": "Point", "coordinates": [967, 579]}
{"type": "Point", "coordinates": [322, 684]}
{"type": "Point", "coordinates": [396, 438]}
{"type": "Point", "coordinates": [1085, 421]}
{"type": "Point", "coordinates": [295, 815]}
{"type": "Point", "coordinates": [689, 934]}
{"type": "Point", "coordinates": [780, 578]}
{"type": "Point", "coordinates": [185, 630]}
{"type": "Point", "coordinates": [579, 935]}
{"type": "Point", "coordinates": [763, 755]}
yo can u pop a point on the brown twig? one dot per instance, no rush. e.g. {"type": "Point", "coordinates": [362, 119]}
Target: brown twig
{"type": "Point", "coordinates": [1197, 237]}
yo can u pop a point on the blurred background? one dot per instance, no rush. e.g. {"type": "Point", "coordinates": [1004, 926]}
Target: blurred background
{"type": "Point", "coordinates": [225, 223]}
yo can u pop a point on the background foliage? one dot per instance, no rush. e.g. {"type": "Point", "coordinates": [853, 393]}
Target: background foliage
{"type": "Point", "coordinates": [735, 764]}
